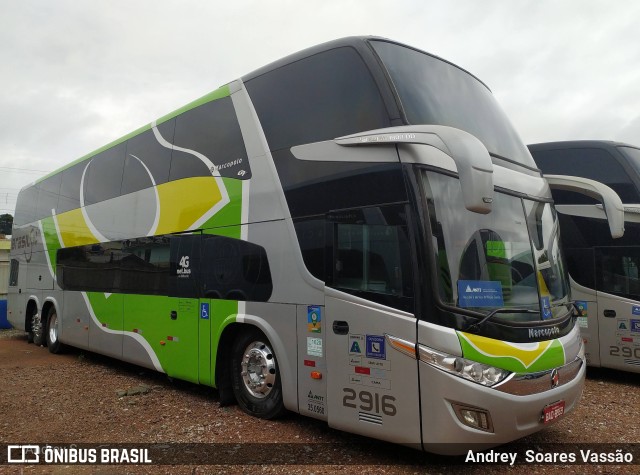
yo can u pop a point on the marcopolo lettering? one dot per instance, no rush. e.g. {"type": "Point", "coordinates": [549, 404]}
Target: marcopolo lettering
{"type": "Point", "coordinates": [542, 332]}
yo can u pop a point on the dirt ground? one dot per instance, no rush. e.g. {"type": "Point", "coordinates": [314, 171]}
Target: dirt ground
{"type": "Point", "coordinates": [78, 398]}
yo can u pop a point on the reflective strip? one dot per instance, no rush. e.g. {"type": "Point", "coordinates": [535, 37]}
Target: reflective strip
{"type": "Point", "coordinates": [403, 346]}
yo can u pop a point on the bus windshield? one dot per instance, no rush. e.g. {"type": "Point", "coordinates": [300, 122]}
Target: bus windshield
{"type": "Point", "coordinates": [509, 258]}
{"type": "Point", "coordinates": [634, 156]}
{"type": "Point", "coordinates": [435, 92]}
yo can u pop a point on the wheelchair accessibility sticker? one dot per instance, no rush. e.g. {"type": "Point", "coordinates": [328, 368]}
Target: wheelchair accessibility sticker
{"type": "Point", "coordinates": [204, 311]}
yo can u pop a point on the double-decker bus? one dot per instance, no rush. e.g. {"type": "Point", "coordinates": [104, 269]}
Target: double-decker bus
{"type": "Point", "coordinates": [604, 272]}
{"type": "Point", "coordinates": [355, 233]}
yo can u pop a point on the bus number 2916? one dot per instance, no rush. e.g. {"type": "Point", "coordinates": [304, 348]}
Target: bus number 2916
{"type": "Point", "coordinates": [369, 401]}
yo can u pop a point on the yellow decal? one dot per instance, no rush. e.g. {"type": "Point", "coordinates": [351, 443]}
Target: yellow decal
{"type": "Point", "coordinates": [184, 202]}
{"type": "Point", "coordinates": [525, 353]}
{"type": "Point", "coordinates": [73, 229]}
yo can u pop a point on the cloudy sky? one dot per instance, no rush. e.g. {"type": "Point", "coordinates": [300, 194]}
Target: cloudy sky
{"type": "Point", "coordinates": [76, 75]}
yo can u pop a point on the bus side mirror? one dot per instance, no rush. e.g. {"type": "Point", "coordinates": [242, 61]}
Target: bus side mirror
{"type": "Point", "coordinates": [613, 206]}
{"type": "Point", "coordinates": [471, 157]}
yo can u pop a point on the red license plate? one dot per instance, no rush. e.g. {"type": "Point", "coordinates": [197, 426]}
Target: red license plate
{"type": "Point", "coordinates": [552, 412]}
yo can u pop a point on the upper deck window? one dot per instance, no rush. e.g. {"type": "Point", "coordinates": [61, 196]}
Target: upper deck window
{"type": "Point", "coordinates": [594, 163]}
{"type": "Point", "coordinates": [435, 92]}
{"type": "Point", "coordinates": [321, 97]}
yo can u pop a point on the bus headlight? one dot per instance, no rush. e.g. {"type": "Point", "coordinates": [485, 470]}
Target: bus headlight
{"type": "Point", "coordinates": [464, 368]}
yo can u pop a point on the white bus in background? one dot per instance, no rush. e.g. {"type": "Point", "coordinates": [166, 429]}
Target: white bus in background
{"type": "Point", "coordinates": [605, 272]}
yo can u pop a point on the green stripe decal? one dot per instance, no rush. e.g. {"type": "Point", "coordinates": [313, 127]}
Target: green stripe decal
{"type": "Point", "coordinates": [516, 357]}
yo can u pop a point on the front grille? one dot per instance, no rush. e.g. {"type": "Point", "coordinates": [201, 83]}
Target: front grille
{"type": "Point", "coordinates": [534, 383]}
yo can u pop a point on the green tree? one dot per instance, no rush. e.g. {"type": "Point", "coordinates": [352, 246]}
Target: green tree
{"type": "Point", "coordinates": [6, 222]}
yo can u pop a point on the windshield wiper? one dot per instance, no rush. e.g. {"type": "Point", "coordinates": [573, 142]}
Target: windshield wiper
{"type": "Point", "coordinates": [496, 311]}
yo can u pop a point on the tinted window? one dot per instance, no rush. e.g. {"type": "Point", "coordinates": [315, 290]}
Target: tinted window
{"type": "Point", "coordinates": [233, 269]}
{"type": "Point", "coordinates": [103, 178]}
{"type": "Point", "coordinates": [371, 255]}
{"type": "Point", "coordinates": [91, 268]}
{"type": "Point", "coordinates": [433, 91]}
{"type": "Point", "coordinates": [139, 266]}
{"type": "Point", "coordinates": [212, 131]}
{"type": "Point", "coordinates": [587, 240]}
{"type": "Point", "coordinates": [48, 196]}
{"type": "Point", "coordinates": [70, 189]}
{"type": "Point", "coordinates": [187, 266]}
{"type": "Point", "coordinates": [144, 266]}
{"type": "Point", "coordinates": [311, 237]}
{"type": "Point", "coordinates": [26, 206]}
{"type": "Point", "coordinates": [314, 188]}
{"type": "Point", "coordinates": [633, 154]}
{"type": "Point", "coordinates": [146, 156]}
{"type": "Point", "coordinates": [594, 163]}
{"type": "Point", "coordinates": [13, 273]}
{"type": "Point", "coordinates": [317, 98]}
{"type": "Point", "coordinates": [618, 271]}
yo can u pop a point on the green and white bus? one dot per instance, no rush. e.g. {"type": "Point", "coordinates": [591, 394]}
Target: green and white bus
{"type": "Point", "coordinates": [355, 233]}
{"type": "Point", "coordinates": [605, 272]}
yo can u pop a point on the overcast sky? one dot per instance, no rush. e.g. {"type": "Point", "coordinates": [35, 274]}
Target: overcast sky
{"type": "Point", "coordinates": [76, 75]}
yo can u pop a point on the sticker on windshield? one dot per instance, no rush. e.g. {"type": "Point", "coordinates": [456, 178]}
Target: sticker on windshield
{"type": "Point", "coordinates": [480, 293]}
{"type": "Point", "coordinates": [545, 307]}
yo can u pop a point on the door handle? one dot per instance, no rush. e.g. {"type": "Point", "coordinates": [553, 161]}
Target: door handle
{"type": "Point", "coordinates": [174, 315]}
{"type": "Point", "coordinates": [340, 327]}
{"type": "Point", "coordinates": [609, 313]}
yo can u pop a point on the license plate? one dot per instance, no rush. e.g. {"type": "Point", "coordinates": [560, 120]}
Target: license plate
{"type": "Point", "coordinates": [552, 412]}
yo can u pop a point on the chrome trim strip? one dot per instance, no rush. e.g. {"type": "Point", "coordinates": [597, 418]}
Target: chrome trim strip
{"type": "Point", "coordinates": [534, 383]}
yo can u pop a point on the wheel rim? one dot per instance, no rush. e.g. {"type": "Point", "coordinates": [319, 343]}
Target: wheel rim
{"type": "Point", "coordinates": [258, 369]}
{"type": "Point", "coordinates": [53, 328]}
{"type": "Point", "coordinates": [36, 326]}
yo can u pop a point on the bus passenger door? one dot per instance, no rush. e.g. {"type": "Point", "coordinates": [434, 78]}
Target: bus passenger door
{"type": "Point", "coordinates": [372, 388]}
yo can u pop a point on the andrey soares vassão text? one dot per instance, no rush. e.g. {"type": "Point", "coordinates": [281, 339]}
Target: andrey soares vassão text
{"type": "Point", "coordinates": [617, 456]}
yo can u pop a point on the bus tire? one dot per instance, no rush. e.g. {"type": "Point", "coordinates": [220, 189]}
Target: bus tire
{"type": "Point", "coordinates": [36, 333]}
{"type": "Point", "coordinates": [53, 341]}
{"type": "Point", "coordinates": [255, 378]}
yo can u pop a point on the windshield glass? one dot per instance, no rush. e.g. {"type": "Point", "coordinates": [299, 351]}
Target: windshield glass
{"type": "Point", "coordinates": [433, 91]}
{"type": "Point", "coordinates": [509, 258]}
{"type": "Point", "coordinates": [634, 156]}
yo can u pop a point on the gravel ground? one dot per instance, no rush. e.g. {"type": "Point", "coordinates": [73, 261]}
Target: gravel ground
{"type": "Point", "coordinates": [78, 398]}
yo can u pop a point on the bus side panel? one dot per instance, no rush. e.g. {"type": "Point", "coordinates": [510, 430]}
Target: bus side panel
{"type": "Point", "coordinates": [38, 274]}
{"type": "Point", "coordinates": [619, 323]}
{"type": "Point", "coordinates": [75, 320]}
{"type": "Point", "coordinates": [588, 321]}
{"type": "Point", "coordinates": [105, 332]}
{"type": "Point", "coordinates": [166, 329]}
{"type": "Point", "coordinates": [312, 391]}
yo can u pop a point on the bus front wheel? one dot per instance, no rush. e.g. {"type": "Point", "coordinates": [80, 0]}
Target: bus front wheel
{"type": "Point", "coordinates": [255, 378]}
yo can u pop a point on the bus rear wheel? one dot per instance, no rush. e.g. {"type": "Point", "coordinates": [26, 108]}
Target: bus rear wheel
{"type": "Point", "coordinates": [36, 334]}
{"type": "Point", "coordinates": [53, 343]}
{"type": "Point", "coordinates": [255, 378]}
